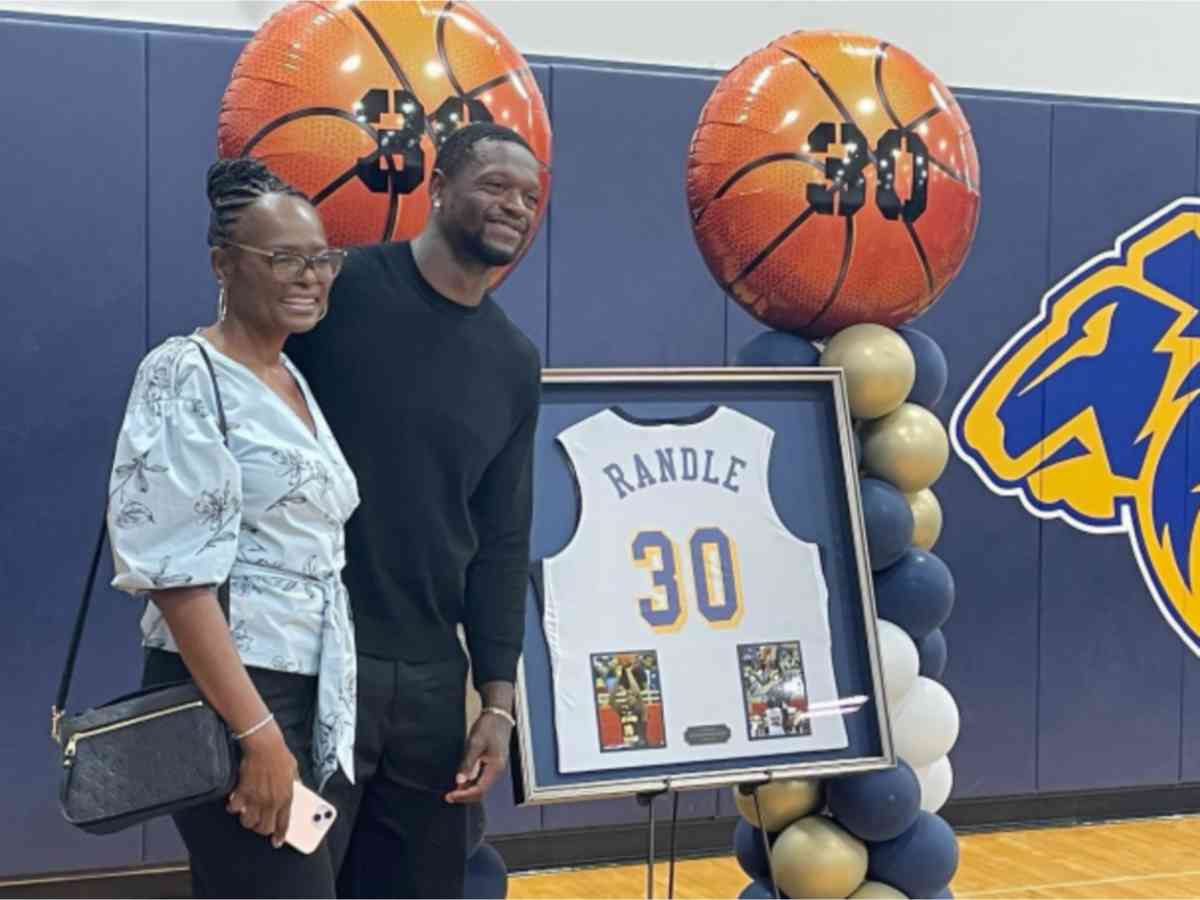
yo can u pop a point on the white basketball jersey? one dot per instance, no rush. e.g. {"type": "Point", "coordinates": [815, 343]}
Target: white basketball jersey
{"type": "Point", "coordinates": [681, 578]}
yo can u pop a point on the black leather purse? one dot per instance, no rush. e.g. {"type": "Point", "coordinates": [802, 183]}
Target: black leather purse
{"type": "Point", "coordinates": [146, 754]}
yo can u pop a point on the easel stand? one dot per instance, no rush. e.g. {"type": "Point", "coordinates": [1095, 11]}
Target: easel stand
{"type": "Point", "coordinates": [646, 799]}
{"type": "Point", "coordinates": [752, 789]}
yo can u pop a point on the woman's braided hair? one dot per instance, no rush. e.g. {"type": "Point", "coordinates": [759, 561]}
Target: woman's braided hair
{"type": "Point", "coordinates": [235, 184]}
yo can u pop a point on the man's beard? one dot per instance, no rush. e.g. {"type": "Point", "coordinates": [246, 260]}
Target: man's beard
{"type": "Point", "coordinates": [475, 245]}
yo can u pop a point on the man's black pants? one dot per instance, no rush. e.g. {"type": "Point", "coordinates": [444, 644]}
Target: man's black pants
{"type": "Point", "coordinates": [396, 836]}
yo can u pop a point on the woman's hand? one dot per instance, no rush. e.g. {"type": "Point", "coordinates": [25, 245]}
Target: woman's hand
{"type": "Point", "coordinates": [263, 797]}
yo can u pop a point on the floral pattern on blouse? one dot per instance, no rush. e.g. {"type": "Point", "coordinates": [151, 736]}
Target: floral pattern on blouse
{"type": "Point", "coordinates": [265, 512]}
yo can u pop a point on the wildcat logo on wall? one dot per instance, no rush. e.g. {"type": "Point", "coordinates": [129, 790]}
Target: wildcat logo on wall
{"type": "Point", "coordinates": [1086, 414]}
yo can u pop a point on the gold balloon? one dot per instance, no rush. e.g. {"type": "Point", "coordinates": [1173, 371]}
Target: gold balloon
{"type": "Point", "coordinates": [877, 890]}
{"type": "Point", "coordinates": [781, 802]}
{"type": "Point", "coordinates": [878, 366]}
{"type": "Point", "coordinates": [907, 447]}
{"type": "Point", "coordinates": [816, 857]}
{"type": "Point", "coordinates": [927, 518]}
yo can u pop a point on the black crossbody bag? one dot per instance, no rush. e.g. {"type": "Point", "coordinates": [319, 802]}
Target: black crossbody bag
{"type": "Point", "coordinates": [146, 754]}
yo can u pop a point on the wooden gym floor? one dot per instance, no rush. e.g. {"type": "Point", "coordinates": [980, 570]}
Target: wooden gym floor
{"type": "Point", "coordinates": [1142, 858]}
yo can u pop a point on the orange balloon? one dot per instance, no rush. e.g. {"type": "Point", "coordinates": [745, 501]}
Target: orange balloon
{"type": "Point", "coordinates": [832, 180]}
{"type": "Point", "coordinates": [349, 101]}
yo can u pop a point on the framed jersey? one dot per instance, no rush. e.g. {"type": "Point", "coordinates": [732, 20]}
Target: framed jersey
{"type": "Point", "coordinates": [699, 609]}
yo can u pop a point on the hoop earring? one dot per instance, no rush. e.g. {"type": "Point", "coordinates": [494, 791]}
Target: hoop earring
{"type": "Point", "coordinates": [222, 307]}
{"type": "Point", "coordinates": [324, 312]}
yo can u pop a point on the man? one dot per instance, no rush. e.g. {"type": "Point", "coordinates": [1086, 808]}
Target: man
{"type": "Point", "coordinates": [433, 395]}
{"type": "Point", "coordinates": [629, 689]}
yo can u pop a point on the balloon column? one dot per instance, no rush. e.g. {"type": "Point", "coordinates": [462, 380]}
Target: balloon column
{"type": "Point", "coordinates": [833, 187]}
{"type": "Point", "coordinates": [877, 834]}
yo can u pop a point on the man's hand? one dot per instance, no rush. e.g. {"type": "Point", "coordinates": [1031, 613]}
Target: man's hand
{"type": "Point", "coordinates": [486, 756]}
{"type": "Point", "coordinates": [487, 746]}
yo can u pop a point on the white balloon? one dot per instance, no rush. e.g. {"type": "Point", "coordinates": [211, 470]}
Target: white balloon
{"type": "Point", "coordinates": [925, 726]}
{"type": "Point", "coordinates": [936, 780]}
{"type": "Point", "coordinates": [899, 660]}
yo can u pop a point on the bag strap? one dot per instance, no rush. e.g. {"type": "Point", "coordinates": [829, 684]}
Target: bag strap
{"type": "Point", "coordinates": [60, 702]}
{"type": "Point", "coordinates": [221, 423]}
{"type": "Point", "coordinates": [223, 589]}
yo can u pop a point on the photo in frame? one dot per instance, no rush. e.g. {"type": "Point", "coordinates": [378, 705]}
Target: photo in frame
{"type": "Point", "coordinates": [700, 610]}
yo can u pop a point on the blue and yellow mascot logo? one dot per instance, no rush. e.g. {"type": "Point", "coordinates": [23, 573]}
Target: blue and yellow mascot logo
{"type": "Point", "coordinates": [1086, 414]}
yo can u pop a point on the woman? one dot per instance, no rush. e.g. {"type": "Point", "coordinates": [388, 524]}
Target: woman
{"type": "Point", "coordinates": [261, 508]}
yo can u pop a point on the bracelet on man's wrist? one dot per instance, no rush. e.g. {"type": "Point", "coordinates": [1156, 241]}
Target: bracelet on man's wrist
{"type": "Point", "coordinates": [502, 713]}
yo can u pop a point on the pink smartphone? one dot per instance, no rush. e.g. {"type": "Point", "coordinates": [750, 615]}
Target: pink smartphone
{"type": "Point", "coordinates": [311, 818]}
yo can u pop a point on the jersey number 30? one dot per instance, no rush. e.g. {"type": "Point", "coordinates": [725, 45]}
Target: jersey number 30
{"type": "Point", "coordinates": [714, 574]}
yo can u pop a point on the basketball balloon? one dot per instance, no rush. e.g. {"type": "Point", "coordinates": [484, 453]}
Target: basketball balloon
{"type": "Point", "coordinates": [832, 180]}
{"type": "Point", "coordinates": [350, 101]}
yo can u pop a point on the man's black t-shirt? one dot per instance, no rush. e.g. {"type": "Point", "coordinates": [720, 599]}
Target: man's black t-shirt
{"type": "Point", "coordinates": [434, 405]}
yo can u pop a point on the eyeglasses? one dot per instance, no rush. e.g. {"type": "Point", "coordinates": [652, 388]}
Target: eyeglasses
{"type": "Point", "coordinates": [288, 265]}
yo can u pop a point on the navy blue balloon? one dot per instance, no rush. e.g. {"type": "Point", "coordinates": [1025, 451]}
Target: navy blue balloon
{"type": "Point", "coordinates": [932, 371]}
{"type": "Point", "coordinates": [777, 348]}
{"type": "Point", "coordinates": [917, 593]}
{"type": "Point", "coordinates": [932, 651]}
{"type": "Point", "coordinates": [876, 806]}
{"type": "Point", "coordinates": [758, 889]}
{"type": "Point", "coordinates": [889, 522]}
{"type": "Point", "coordinates": [748, 848]}
{"type": "Point", "coordinates": [487, 875]}
{"type": "Point", "coordinates": [476, 826]}
{"type": "Point", "coordinates": [919, 862]}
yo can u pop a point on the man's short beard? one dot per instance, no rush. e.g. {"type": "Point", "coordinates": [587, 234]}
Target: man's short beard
{"type": "Point", "coordinates": [475, 245]}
